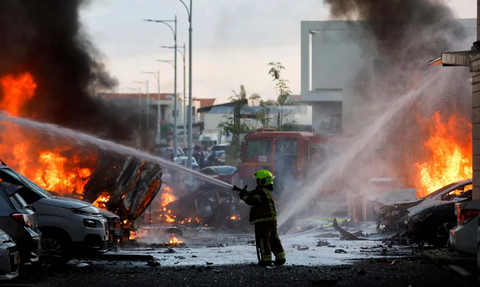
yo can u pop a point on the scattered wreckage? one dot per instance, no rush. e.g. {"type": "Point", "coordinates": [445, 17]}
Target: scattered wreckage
{"type": "Point", "coordinates": [418, 220]}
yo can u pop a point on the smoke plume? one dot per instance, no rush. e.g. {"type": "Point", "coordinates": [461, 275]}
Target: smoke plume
{"type": "Point", "coordinates": [407, 34]}
{"type": "Point", "coordinates": [46, 39]}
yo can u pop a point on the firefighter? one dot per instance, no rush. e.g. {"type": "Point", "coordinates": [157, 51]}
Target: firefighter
{"type": "Point", "coordinates": [264, 216]}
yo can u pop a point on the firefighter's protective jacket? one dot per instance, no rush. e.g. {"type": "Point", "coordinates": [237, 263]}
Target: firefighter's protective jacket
{"type": "Point", "coordinates": [263, 206]}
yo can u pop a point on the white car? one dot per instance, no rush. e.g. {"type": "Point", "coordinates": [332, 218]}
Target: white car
{"type": "Point", "coordinates": [9, 257]}
{"type": "Point", "coordinates": [70, 227]}
{"type": "Point", "coordinates": [463, 237]}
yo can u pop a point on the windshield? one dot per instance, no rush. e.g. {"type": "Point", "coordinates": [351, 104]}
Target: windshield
{"type": "Point", "coordinates": [21, 180]}
{"type": "Point", "coordinates": [258, 147]}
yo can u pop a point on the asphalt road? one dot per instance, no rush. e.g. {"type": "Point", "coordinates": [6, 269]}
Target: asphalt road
{"type": "Point", "coordinates": [365, 272]}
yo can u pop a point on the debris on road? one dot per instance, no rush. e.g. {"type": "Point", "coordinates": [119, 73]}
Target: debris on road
{"type": "Point", "coordinates": [153, 263]}
{"type": "Point", "coordinates": [340, 251]}
{"type": "Point", "coordinates": [345, 234]}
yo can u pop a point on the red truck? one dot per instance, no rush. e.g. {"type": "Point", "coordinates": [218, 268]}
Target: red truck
{"type": "Point", "coordinates": [290, 156]}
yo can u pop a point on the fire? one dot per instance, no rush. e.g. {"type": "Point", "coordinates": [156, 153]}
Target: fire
{"type": "Point", "coordinates": [169, 218]}
{"type": "Point", "coordinates": [17, 91]}
{"type": "Point", "coordinates": [167, 196]}
{"type": "Point", "coordinates": [101, 201]}
{"type": "Point", "coordinates": [451, 154]}
{"type": "Point", "coordinates": [52, 165]}
{"type": "Point", "coordinates": [173, 240]}
{"type": "Point", "coordinates": [234, 217]}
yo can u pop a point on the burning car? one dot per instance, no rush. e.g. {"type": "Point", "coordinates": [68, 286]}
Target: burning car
{"type": "Point", "coordinates": [393, 207]}
{"type": "Point", "coordinates": [69, 227]}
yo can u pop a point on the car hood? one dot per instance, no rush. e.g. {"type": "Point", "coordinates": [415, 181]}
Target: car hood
{"type": "Point", "coordinates": [64, 202]}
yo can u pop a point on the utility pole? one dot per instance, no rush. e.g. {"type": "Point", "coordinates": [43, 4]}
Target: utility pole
{"type": "Point", "coordinates": [158, 136]}
{"type": "Point", "coordinates": [184, 92]}
{"type": "Point", "coordinates": [174, 31]}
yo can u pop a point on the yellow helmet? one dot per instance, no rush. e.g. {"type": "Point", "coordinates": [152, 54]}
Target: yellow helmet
{"type": "Point", "coordinates": [264, 176]}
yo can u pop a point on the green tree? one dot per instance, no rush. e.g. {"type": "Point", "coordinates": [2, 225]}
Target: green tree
{"type": "Point", "coordinates": [233, 124]}
{"type": "Point", "coordinates": [281, 86]}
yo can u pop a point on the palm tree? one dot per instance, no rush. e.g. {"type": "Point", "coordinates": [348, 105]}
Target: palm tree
{"type": "Point", "coordinates": [242, 95]}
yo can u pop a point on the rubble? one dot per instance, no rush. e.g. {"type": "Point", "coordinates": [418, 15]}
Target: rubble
{"type": "Point", "coordinates": [322, 243]}
{"type": "Point", "coordinates": [345, 234]}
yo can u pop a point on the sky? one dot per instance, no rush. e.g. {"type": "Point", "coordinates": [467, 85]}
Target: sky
{"type": "Point", "coordinates": [233, 42]}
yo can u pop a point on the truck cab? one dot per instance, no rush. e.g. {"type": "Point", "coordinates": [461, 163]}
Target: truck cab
{"type": "Point", "coordinates": [290, 156]}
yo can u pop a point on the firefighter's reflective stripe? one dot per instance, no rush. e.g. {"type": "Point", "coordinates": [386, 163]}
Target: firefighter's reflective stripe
{"type": "Point", "coordinates": [245, 197]}
{"type": "Point", "coordinates": [264, 219]}
{"type": "Point", "coordinates": [265, 256]}
{"type": "Point", "coordinates": [280, 255]}
{"type": "Point", "coordinates": [256, 196]}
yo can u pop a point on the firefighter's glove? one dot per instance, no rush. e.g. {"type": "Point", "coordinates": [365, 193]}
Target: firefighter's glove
{"type": "Point", "coordinates": [236, 188]}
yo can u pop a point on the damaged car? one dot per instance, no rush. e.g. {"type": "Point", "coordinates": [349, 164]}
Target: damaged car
{"type": "Point", "coordinates": [395, 208]}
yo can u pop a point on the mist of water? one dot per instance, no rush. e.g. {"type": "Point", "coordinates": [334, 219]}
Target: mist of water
{"type": "Point", "coordinates": [339, 163]}
{"type": "Point", "coordinates": [83, 139]}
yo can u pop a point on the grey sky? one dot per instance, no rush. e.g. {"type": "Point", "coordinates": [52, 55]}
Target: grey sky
{"type": "Point", "coordinates": [232, 41]}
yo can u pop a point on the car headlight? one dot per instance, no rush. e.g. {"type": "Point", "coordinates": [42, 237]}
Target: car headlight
{"type": "Point", "coordinates": [87, 211]}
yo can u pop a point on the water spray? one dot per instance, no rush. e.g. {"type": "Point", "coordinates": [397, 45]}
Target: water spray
{"type": "Point", "coordinates": [82, 138]}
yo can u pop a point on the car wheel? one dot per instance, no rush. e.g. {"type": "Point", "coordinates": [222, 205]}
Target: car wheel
{"type": "Point", "coordinates": [443, 233]}
{"type": "Point", "coordinates": [55, 250]}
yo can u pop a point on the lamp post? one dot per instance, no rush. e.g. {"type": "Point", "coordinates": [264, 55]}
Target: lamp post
{"type": "Point", "coordinates": [174, 31]}
{"type": "Point", "coordinates": [190, 30]}
{"type": "Point", "coordinates": [175, 113]}
{"type": "Point", "coordinates": [184, 93]}
{"type": "Point", "coordinates": [158, 137]}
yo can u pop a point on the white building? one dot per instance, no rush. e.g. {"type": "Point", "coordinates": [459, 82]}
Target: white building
{"type": "Point", "coordinates": [332, 52]}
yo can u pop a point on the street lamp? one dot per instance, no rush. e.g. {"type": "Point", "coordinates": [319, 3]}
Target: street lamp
{"type": "Point", "coordinates": [184, 93]}
{"type": "Point", "coordinates": [158, 137]}
{"type": "Point", "coordinates": [175, 139]}
{"type": "Point", "coordinates": [190, 29]}
{"type": "Point", "coordinates": [174, 31]}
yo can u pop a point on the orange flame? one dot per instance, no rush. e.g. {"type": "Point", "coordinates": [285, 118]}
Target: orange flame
{"type": "Point", "coordinates": [59, 169]}
{"type": "Point", "coordinates": [451, 154]}
{"type": "Point", "coordinates": [17, 91]}
{"type": "Point", "coordinates": [169, 219]}
{"type": "Point", "coordinates": [173, 240]}
{"type": "Point", "coordinates": [101, 201]}
{"type": "Point", "coordinates": [167, 196]}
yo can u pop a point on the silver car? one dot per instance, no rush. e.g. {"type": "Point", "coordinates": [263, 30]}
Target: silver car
{"type": "Point", "coordinates": [9, 257]}
{"type": "Point", "coordinates": [463, 237]}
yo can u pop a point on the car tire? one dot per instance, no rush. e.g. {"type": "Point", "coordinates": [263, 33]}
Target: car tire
{"type": "Point", "coordinates": [55, 250]}
{"type": "Point", "coordinates": [443, 233]}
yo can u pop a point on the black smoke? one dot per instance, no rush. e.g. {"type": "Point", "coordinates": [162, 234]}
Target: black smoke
{"type": "Point", "coordinates": [407, 34]}
{"type": "Point", "coordinates": [46, 39]}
